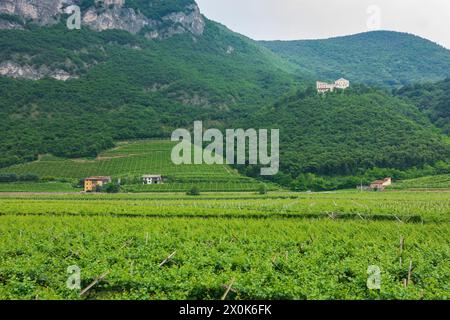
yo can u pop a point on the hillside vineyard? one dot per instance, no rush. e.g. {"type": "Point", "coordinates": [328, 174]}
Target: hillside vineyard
{"type": "Point", "coordinates": [150, 153]}
{"type": "Point", "coordinates": [235, 148]}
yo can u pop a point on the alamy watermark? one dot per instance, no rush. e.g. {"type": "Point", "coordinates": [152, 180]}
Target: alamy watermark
{"type": "Point", "coordinates": [74, 280]}
{"type": "Point", "coordinates": [374, 278]}
{"type": "Point", "coordinates": [230, 148]}
{"type": "Point", "coordinates": [74, 20]}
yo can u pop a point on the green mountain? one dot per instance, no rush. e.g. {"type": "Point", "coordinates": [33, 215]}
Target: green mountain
{"type": "Point", "coordinates": [433, 99]}
{"type": "Point", "coordinates": [137, 71]}
{"type": "Point", "coordinates": [125, 84]}
{"type": "Point", "coordinates": [378, 58]}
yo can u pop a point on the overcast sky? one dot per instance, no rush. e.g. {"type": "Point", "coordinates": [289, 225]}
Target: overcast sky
{"type": "Point", "coordinates": [313, 19]}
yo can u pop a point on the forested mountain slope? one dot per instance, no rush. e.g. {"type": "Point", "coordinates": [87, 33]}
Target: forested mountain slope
{"type": "Point", "coordinates": [383, 58]}
{"type": "Point", "coordinates": [73, 92]}
{"type": "Point", "coordinates": [347, 133]}
{"type": "Point", "coordinates": [433, 99]}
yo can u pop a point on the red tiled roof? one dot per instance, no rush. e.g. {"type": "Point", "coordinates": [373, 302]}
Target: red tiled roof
{"type": "Point", "coordinates": [98, 178]}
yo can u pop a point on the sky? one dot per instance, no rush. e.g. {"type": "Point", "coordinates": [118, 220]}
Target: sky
{"type": "Point", "coordinates": [318, 19]}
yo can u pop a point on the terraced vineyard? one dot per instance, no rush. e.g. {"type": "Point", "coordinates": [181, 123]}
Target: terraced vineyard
{"type": "Point", "coordinates": [431, 182]}
{"type": "Point", "coordinates": [277, 246]}
{"type": "Point", "coordinates": [133, 159]}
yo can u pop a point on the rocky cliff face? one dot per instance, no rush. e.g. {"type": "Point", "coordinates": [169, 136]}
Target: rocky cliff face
{"type": "Point", "coordinates": [14, 70]}
{"type": "Point", "coordinates": [43, 12]}
{"type": "Point", "coordinates": [103, 15]}
{"type": "Point", "coordinates": [106, 14]}
{"type": "Point", "coordinates": [117, 16]}
{"type": "Point", "coordinates": [180, 22]}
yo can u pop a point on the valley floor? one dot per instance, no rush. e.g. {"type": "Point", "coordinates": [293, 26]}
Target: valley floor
{"type": "Point", "coordinates": [277, 246]}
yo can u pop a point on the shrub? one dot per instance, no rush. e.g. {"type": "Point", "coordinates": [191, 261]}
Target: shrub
{"type": "Point", "coordinates": [48, 179]}
{"type": "Point", "coordinates": [11, 18]}
{"type": "Point", "coordinates": [8, 177]}
{"type": "Point", "coordinates": [262, 189]}
{"type": "Point", "coordinates": [79, 183]}
{"type": "Point", "coordinates": [111, 188]}
{"type": "Point", "coordinates": [194, 191]}
{"type": "Point", "coordinates": [29, 177]}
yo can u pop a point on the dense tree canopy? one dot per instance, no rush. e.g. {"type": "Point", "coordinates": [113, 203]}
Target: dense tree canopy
{"type": "Point", "coordinates": [380, 58]}
{"type": "Point", "coordinates": [348, 133]}
{"type": "Point", "coordinates": [433, 99]}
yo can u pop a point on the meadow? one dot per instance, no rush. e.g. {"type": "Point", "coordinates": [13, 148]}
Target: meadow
{"type": "Point", "coordinates": [277, 246]}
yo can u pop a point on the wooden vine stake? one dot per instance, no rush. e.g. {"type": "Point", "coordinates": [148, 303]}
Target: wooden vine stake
{"type": "Point", "coordinates": [97, 280]}
{"type": "Point", "coordinates": [409, 272]}
{"type": "Point", "coordinates": [402, 243]}
{"type": "Point", "coordinates": [229, 288]}
{"type": "Point", "coordinates": [167, 259]}
{"type": "Point", "coordinates": [132, 267]}
{"type": "Point", "coordinates": [398, 219]}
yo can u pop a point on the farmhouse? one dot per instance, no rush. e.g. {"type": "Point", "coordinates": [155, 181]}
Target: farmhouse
{"type": "Point", "coordinates": [341, 83]}
{"type": "Point", "coordinates": [380, 185]}
{"type": "Point", "coordinates": [152, 179]}
{"type": "Point", "coordinates": [91, 183]}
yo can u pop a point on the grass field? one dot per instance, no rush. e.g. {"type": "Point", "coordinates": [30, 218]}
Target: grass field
{"type": "Point", "coordinates": [277, 246]}
{"type": "Point", "coordinates": [132, 160]}
{"type": "Point", "coordinates": [38, 187]}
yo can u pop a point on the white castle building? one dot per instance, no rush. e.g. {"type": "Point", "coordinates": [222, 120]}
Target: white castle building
{"type": "Point", "coordinates": [117, 3]}
{"type": "Point", "coordinates": [341, 83]}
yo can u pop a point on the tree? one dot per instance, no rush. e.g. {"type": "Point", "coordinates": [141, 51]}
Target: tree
{"type": "Point", "coordinates": [194, 191]}
{"type": "Point", "coordinates": [111, 188]}
{"type": "Point", "coordinates": [262, 189]}
{"type": "Point", "coordinates": [8, 177]}
{"type": "Point", "coordinates": [31, 177]}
